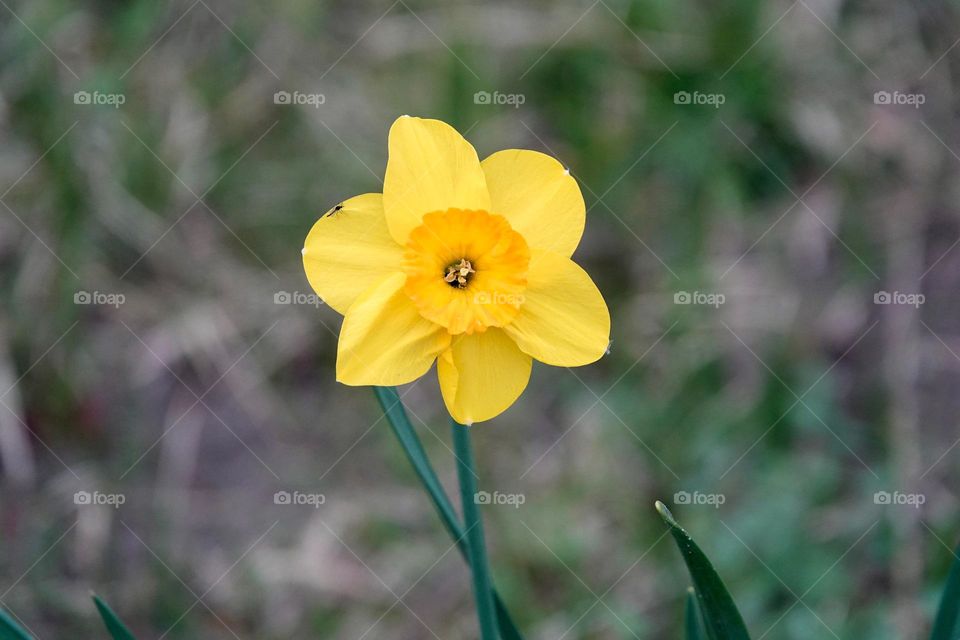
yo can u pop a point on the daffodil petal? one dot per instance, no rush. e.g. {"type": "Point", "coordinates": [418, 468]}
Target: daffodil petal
{"type": "Point", "coordinates": [348, 249]}
{"type": "Point", "coordinates": [384, 340]}
{"type": "Point", "coordinates": [430, 168]}
{"type": "Point", "coordinates": [538, 197]}
{"type": "Point", "coordinates": [481, 375]}
{"type": "Point", "coordinates": [563, 320]}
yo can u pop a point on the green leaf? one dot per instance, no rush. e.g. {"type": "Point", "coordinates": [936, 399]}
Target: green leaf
{"type": "Point", "coordinates": [947, 623]}
{"type": "Point", "coordinates": [397, 417]}
{"type": "Point", "coordinates": [118, 631]}
{"type": "Point", "coordinates": [692, 621]}
{"type": "Point", "coordinates": [720, 615]}
{"type": "Point", "coordinates": [393, 409]}
{"type": "Point", "coordinates": [10, 630]}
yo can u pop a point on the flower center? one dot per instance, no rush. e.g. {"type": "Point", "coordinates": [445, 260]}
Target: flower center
{"type": "Point", "coordinates": [466, 270]}
{"type": "Point", "coordinates": [458, 275]}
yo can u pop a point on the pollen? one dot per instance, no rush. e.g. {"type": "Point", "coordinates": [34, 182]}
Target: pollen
{"type": "Point", "coordinates": [458, 275]}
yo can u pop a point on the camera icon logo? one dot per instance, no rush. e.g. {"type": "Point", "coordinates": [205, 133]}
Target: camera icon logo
{"type": "Point", "coordinates": [882, 497]}
{"type": "Point", "coordinates": [82, 497]}
{"type": "Point", "coordinates": [281, 497]}
{"type": "Point", "coordinates": [81, 97]}
{"type": "Point", "coordinates": [481, 497]}
{"type": "Point", "coordinates": [282, 97]}
{"type": "Point", "coordinates": [882, 97]}
{"type": "Point", "coordinates": [882, 297]}
{"type": "Point", "coordinates": [681, 97]}
{"type": "Point", "coordinates": [282, 297]}
{"type": "Point", "coordinates": [482, 97]}
{"type": "Point", "coordinates": [82, 297]}
{"type": "Point", "coordinates": [682, 297]}
{"type": "Point", "coordinates": [681, 497]}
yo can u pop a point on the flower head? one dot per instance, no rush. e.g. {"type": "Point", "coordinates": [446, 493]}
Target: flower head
{"type": "Point", "coordinates": [462, 262]}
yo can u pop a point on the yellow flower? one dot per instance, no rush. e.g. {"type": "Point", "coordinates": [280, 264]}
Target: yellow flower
{"type": "Point", "coordinates": [459, 261]}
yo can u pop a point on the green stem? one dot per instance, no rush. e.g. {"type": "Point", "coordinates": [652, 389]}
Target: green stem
{"type": "Point", "coordinates": [393, 409]}
{"type": "Point", "coordinates": [474, 524]}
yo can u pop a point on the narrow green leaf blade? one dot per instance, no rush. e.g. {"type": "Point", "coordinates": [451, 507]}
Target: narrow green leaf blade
{"type": "Point", "coordinates": [118, 631]}
{"type": "Point", "coordinates": [692, 622]}
{"type": "Point", "coordinates": [720, 616]}
{"type": "Point", "coordinates": [393, 409]}
{"type": "Point", "coordinates": [946, 625]}
{"type": "Point", "coordinates": [10, 630]}
{"type": "Point", "coordinates": [396, 415]}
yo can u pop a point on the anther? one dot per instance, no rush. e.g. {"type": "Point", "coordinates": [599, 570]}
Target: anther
{"type": "Point", "coordinates": [459, 274]}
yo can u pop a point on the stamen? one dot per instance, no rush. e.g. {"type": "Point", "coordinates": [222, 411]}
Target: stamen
{"type": "Point", "coordinates": [459, 274]}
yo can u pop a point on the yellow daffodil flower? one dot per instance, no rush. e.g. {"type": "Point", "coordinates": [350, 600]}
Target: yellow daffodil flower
{"type": "Point", "coordinates": [459, 261]}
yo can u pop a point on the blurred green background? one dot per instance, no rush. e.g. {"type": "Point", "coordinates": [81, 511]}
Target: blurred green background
{"type": "Point", "coordinates": [157, 187]}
